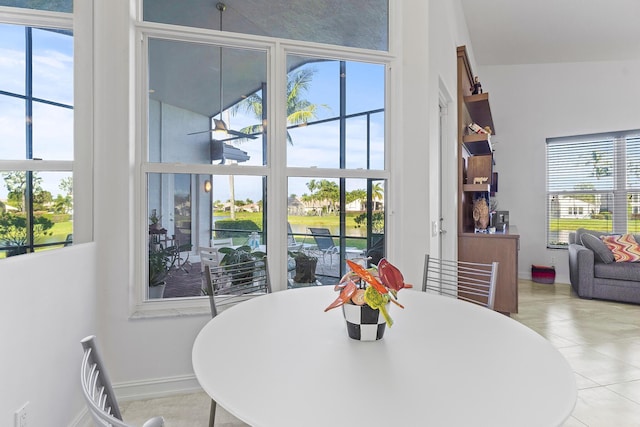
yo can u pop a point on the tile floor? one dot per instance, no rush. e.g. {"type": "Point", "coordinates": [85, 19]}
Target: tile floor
{"type": "Point", "coordinates": [600, 339]}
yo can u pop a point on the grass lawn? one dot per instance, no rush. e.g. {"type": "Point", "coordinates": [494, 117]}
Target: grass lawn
{"type": "Point", "coordinates": [299, 224]}
{"type": "Point", "coordinates": [633, 226]}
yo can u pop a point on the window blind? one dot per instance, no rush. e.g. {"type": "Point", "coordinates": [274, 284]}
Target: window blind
{"type": "Point", "coordinates": [593, 181]}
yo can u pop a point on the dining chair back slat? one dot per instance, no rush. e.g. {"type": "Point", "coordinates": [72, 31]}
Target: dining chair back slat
{"type": "Point", "coordinates": [468, 281]}
{"type": "Point", "coordinates": [98, 391]}
{"type": "Point", "coordinates": [233, 283]}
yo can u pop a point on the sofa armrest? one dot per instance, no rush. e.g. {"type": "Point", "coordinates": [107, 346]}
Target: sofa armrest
{"type": "Point", "coordinates": [581, 270]}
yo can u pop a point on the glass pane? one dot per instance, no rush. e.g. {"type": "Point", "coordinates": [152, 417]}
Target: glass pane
{"type": "Point", "coordinates": [183, 111]}
{"type": "Point", "coordinates": [567, 213]}
{"type": "Point", "coordinates": [315, 217]}
{"type": "Point", "coordinates": [52, 206]}
{"type": "Point", "coordinates": [187, 211]}
{"type": "Point", "coordinates": [53, 65]}
{"type": "Point", "coordinates": [338, 23]}
{"type": "Point", "coordinates": [319, 108]}
{"type": "Point", "coordinates": [633, 222]}
{"type": "Point", "coordinates": [52, 132]}
{"type": "Point", "coordinates": [12, 128]}
{"type": "Point", "coordinates": [12, 66]}
{"type": "Point", "coordinates": [50, 5]}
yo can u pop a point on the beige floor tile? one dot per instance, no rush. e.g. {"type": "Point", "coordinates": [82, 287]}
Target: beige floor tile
{"type": "Point", "coordinates": [187, 410]}
{"type": "Point", "coordinates": [630, 390]}
{"type": "Point", "coordinates": [599, 339]}
{"type": "Point", "coordinates": [599, 367]}
{"type": "Point", "coordinates": [600, 407]}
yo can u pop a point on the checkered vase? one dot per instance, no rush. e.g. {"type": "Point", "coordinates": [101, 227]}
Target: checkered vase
{"type": "Point", "coordinates": [363, 322]}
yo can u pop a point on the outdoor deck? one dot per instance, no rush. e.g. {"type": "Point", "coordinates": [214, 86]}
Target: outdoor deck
{"type": "Point", "coordinates": [187, 281]}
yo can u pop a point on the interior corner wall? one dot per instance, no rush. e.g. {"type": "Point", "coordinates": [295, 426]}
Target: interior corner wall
{"type": "Point", "coordinates": [533, 102]}
{"type": "Point", "coordinates": [429, 35]}
{"type": "Point", "coordinates": [48, 306]}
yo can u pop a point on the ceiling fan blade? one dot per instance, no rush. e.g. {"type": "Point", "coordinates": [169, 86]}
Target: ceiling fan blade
{"type": "Point", "coordinates": [241, 134]}
{"type": "Point", "coordinates": [202, 131]}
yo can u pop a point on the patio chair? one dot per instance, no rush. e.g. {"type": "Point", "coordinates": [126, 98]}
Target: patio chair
{"type": "Point", "coordinates": [231, 284]}
{"type": "Point", "coordinates": [210, 254]}
{"type": "Point", "coordinates": [468, 281]}
{"type": "Point", "coordinates": [324, 242]}
{"type": "Point", "coordinates": [98, 392]}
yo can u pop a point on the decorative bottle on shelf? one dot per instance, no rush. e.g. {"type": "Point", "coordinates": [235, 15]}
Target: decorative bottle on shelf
{"type": "Point", "coordinates": [254, 241]}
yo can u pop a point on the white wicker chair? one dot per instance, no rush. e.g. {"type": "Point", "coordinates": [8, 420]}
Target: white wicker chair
{"type": "Point", "coordinates": [98, 392]}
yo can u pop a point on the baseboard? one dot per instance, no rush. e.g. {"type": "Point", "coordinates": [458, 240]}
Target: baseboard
{"type": "Point", "coordinates": [159, 387]}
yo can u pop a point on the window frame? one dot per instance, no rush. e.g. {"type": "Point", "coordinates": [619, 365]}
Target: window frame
{"type": "Point", "coordinates": [619, 191]}
{"type": "Point", "coordinates": [277, 51]}
{"type": "Point", "coordinates": [39, 19]}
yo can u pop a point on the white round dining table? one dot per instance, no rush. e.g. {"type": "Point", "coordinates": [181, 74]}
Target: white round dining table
{"type": "Point", "coordinates": [279, 360]}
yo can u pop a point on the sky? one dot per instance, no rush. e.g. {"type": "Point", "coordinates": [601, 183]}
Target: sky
{"type": "Point", "coordinates": [53, 81]}
{"type": "Point", "coordinates": [313, 146]}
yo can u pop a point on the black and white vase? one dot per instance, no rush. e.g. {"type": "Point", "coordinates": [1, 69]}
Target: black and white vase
{"type": "Point", "coordinates": [363, 322]}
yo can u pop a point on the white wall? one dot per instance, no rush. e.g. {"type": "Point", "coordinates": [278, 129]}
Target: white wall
{"type": "Point", "coordinates": [533, 102]}
{"type": "Point", "coordinates": [47, 307]}
{"type": "Point", "coordinates": [428, 58]}
{"type": "Point", "coordinates": [52, 300]}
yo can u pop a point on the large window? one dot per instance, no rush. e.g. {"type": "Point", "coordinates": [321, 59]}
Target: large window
{"type": "Point", "coordinates": [36, 138]}
{"type": "Point", "coordinates": [237, 145]}
{"type": "Point", "coordinates": [593, 181]}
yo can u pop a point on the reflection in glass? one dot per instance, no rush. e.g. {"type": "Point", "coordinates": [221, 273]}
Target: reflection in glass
{"type": "Point", "coordinates": [50, 5]}
{"type": "Point", "coordinates": [12, 138]}
{"type": "Point", "coordinates": [338, 23]}
{"type": "Point", "coordinates": [52, 132]}
{"type": "Point", "coordinates": [319, 227]}
{"type": "Point", "coordinates": [334, 121]}
{"type": "Point", "coordinates": [12, 67]}
{"type": "Point", "coordinates": [52, 207]}
{"type": "Point", "coordinates": [188, 211]}
{"type": "Point", "coordinates": [182, 110]}
{"type": "Point", "coordinates": [53, 65]}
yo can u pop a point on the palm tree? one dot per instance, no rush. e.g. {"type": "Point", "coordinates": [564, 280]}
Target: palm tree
{"type": "Point", "coordinates": [299, 110]}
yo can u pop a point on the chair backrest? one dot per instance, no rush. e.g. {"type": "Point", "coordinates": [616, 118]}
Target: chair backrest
{"type": "Point", "coordinates": [291, 239]}
{"type": "Point", "coordinates": [210, 255]}
{"type": "Point", "coordinates": [468, 281]}
{"type": "Point", "coordinates": [98, 392]}
{"type": "Point", "coordinates": [233, 283]}
{"type": "Point", "coordinates": [222, 242]}
{"type": "Point", "coordinates": [323, 238]}
{"type": "Point", "coordinates": [96, 386]}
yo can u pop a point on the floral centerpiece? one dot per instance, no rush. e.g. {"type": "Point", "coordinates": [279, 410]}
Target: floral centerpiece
{"type": "Point", "coordinates": [368, 292]}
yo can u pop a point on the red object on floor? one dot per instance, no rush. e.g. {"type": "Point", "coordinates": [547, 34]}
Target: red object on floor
{"type": "Point", "coordinates": [543, 274]}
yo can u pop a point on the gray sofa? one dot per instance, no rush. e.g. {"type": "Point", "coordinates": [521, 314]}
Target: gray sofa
{"type": "Point", "coordinates": [594, 273]}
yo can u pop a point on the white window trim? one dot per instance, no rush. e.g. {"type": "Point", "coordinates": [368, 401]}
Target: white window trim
{"type": "Point", "coordinates": [277, 51]}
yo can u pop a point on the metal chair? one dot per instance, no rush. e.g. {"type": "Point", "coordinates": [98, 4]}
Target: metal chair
{"type": "Point", "coordinates": [98, 392]}
{"type": "Point", "coordinates": [324, 241]}
{"type": "Point", "coordinates": [233, 283]}
{"type": "Point", "coordinates": [468, 281]}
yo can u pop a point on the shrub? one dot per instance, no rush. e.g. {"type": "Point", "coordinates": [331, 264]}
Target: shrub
{"type": "Point", "coordinates": [234, 228]}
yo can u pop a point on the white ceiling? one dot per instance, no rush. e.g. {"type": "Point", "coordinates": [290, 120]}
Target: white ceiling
{"type": "Point", "coordinates": [545, 31]}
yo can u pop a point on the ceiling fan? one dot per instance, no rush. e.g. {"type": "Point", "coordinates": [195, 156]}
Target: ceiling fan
{"type": "Point", "coordinates": [219, 126]}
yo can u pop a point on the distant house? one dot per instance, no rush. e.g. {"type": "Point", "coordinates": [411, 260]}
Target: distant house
{"type": "Point", "coordinates": [360, 206]}
{"type": "Point", "coordinates": [295, 206]}
{"type": "Point", "coordinates": [573, 207]}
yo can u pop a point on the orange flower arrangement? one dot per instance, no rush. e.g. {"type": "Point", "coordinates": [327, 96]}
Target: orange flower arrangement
{"type": "Point", "coordinates": [375, 287]}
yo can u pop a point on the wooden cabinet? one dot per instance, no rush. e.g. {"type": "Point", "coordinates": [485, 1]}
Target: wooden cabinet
{"type": "Point", "coordinates": [501, 247]}
{"type": "Point", "coordinates": [476, 178]}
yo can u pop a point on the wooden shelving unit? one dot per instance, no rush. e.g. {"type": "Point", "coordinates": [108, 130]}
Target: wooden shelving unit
{"type": "Point", "coordinates": [475, 159]}
{"type": "Point", "coordinates": [477, 143]}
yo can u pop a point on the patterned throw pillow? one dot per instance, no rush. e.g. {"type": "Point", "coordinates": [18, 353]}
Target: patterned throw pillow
{"type": "Point", "coordinates": [624, 247]}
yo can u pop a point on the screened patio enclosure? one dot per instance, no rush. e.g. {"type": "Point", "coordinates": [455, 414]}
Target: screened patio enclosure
{"type": "Point", "coordinates": [205, 185]}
